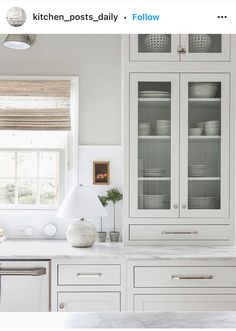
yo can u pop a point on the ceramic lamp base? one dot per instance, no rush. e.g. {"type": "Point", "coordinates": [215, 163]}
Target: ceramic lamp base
{"type": "Point", "coordinates": [81, 233]}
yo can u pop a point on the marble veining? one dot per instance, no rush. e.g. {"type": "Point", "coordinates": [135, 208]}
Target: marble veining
{"type": "Point", "coordinates": [120, 320]}
{"type": "Point", "coordinates": [46, 249]}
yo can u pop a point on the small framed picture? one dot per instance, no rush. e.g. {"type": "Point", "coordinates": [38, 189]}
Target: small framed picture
{"type": "Point", "coordinates": [101, 172]}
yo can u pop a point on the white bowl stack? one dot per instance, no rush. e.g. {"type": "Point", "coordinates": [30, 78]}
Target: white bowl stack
{"type": "Point", "coordinates": [195, 131]}
{"type": "Point", "coordinates": [154, 172]}
{"type": "Point", "coordinates": [203, 89]}
{"type": "Point", "coordinates": [153, 201]}
{"type": "Point", "coordinates": [197, 170]}
{"type": "Point", "coordinates": [144, 129]}
{"type": "Point", "coordinates": [202, 126]}
{"type": "Point", "coordinates": [212, 128]}
{"type": "Point", "coordinates": [202, 203]}
{"type": "Point", "coordinates": [163, 127]}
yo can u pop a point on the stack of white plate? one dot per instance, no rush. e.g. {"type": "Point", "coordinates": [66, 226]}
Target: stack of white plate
{"type": "Point", "coordinates": [212, 128]}
{"type": "Point", "coordinates": [153, 201]}
{"type": "Point", "coordinates": [154, 94]}
{"type": "Point", "coordinates": [197, 170]}
{"type": "Point", "coordinates": [154, 172]}
{"type": "Point", "coordinates": [144, 129]}
{"type": "Point", "coordinates": [163, 128]}
{"type": "Point", "coordinates": [202, 203]}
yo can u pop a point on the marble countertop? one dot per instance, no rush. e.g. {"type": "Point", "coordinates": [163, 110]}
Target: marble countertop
{"type": "Point", "coordinates": [119, 320]}
{"type": "Point", "coordinates": [47, 249]}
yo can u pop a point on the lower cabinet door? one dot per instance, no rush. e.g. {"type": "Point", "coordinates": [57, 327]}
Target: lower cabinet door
{"type": "Point", "coordinates": [188, 302]}
{"type": "Point", "coordinates": [88, 301]}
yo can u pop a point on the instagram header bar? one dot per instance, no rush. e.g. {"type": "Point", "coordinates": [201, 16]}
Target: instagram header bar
{"type": "Point", "coordinates": [136, 16]}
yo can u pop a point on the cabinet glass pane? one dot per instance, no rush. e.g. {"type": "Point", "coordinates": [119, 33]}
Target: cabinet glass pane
{"type": "Point", "coordinates": [205, 43]}
{"type": "Point", "coordinates": [154, 145]}
{"type": "Point", "coordinates": [204, 148]}
{"type": "Point", "coordinates": [154, 43]}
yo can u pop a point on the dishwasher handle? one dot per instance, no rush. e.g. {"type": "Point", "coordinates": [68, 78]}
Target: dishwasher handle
{"type": "Point", "coordinates": [23, 272]}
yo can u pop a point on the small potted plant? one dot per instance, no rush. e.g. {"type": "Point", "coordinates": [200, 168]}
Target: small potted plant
{"type": "Point", "coordinates": [102, 234]}
{"type": "Point", "coordinates": [114, 196]}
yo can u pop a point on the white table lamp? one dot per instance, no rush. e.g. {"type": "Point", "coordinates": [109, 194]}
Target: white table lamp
{"type": "Point", "coordinates": [81, 202]}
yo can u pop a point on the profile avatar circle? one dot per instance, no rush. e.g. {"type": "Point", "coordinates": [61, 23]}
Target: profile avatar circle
{"type": "Point", "coordinates": [16, 16]}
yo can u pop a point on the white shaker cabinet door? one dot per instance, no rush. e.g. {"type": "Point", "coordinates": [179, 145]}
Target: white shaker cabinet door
{"type": "Point", "coordinates": [154, 145]}
{"type": "Point", "coordinates": [154, 47]}
{"type": "Point", "coordinates": [188, 302]}
{"type": "Point", "coordinates": [205, 47]}
{"type": "Point", "coordinates": [89, 301]}
{"type": "Point", "coordinates": [204, 145]}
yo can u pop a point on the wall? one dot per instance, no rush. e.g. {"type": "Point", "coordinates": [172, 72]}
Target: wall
{"type": "Point", "coordinates": [96, 59]}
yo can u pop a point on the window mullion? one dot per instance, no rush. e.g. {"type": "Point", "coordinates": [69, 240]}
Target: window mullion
{"type": "Point", "coordinates": [38, 193]}
{"type": "Point", "coordinates": [16, 179]}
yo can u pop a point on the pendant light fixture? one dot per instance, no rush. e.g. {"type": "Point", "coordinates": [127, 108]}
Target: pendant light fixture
{"type": "Point", "coordinates": [19, 41]}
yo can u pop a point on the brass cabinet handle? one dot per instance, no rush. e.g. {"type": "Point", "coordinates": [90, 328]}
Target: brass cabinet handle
{"type": "Point", "coordinates": [80, 274]}
{"type": "Point", "coordinates": [62, 306]}
{"type": "Point", "coordinates": [177, 277]}
{"type": "Point", "coordinates": [179, 232]}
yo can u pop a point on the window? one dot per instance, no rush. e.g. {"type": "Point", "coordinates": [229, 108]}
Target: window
{"type": "Point", "coordinates": [36, 165]}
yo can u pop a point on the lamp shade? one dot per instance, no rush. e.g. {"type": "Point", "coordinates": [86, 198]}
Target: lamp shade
{"type": "Point", "coordinates": [18, 41]}
{"type": "Point", "coordinates": [81, 202]}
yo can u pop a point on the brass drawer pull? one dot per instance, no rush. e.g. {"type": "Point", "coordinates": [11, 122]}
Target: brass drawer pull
{"type": "Point", "coordinates": [80, 274]}
{"type": "Point", "coordinates": [179, 232]}
{"type": "Point", "coordinates": [176, 277]}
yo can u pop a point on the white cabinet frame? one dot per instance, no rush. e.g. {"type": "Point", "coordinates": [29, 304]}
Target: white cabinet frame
{"type": "Point", "coordinates": [225, 185]}
{"type": "Point", "coordinates": [135, 78]}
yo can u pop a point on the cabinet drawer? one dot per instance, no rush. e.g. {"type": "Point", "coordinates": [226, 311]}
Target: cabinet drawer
{"type": "Point", "coordinates": [88, 301]}
{"type": "Point", "coordinates": [155, 303]}
{"type": "Point", "coordinates": [151, 232]}
{"type": "Point", "coordinates": [184, 276]}
{"type": "Point", "coordinates": [83, 274]}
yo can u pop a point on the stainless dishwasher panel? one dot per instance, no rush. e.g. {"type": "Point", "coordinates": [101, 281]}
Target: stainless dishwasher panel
{"type": "Point", "coordinates": [24, 286]}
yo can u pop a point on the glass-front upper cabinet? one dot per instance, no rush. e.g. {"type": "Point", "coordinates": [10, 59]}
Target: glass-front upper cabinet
{"type": "Point", "coordinates": [167, 47]}
{"type": "Point", "coordinates": [154, 145]}
{"type": "Point", "coordinates": [204, 148]}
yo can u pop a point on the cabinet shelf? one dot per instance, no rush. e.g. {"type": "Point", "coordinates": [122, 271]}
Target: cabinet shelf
{"type": "Point", "coordinates": [212, 103]}
{"type": "Point", "coordinates": [153, 178]}
{"type": "Point", "coordinates": [153, 102]}
{"type": "Point", "coordinates": [153, 137]}
{"type": "Point", "coordinates": [204, 138]}
{"type": "Point", "coordinates": [203, 178]}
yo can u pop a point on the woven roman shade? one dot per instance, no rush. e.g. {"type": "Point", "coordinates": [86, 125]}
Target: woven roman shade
{"type": "Point", "coordinates": [35, 105]}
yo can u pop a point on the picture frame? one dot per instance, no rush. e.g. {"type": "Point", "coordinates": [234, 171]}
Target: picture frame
{"type": "Point", "coordinates": [101, 172]}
